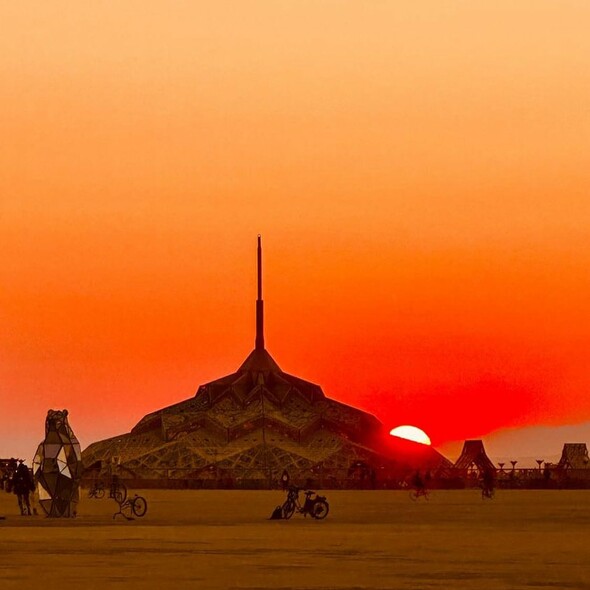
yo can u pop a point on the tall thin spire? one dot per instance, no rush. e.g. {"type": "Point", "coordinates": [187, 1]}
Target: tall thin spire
{"type": "Point", "coordinates": [259, 303]}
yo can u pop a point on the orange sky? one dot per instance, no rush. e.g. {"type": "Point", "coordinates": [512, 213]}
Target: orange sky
{"type": "Point", "coordinates": [420, 176]}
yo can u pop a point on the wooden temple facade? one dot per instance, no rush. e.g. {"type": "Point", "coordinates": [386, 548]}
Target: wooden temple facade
{"type": "Point", "coordinates": [245, 429]}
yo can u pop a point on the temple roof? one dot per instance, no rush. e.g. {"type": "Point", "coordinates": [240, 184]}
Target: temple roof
{"type": "Point", "coordinates": [255, 419]}
{"type": "Point", "coordinates": [259, 360]}
{"type": "Point", "coordinates": [474, 454]}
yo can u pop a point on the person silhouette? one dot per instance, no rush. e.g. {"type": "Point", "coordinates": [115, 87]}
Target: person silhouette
{"type": "Point", "coordinates": [488, 482]}
{"type": "Point", "coordinates": [22, 486]}
{"type": "Point", "coordinates": [285, 480]}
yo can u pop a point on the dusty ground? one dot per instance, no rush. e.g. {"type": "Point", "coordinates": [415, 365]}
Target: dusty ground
{"type": "Point", "coordinates": [210, 539]}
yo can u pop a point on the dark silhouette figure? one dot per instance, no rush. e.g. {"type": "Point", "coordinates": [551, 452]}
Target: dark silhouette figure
{"type": "Point", "coordinates": [419, 487]}
{"type": "Point", "coordinates": [11, 467]}
{"type": "Point", "coordinates": [277, 513]}
{"type": "Point", "coordinates": [118, 489]}
{"type": "Point", "coordinates": [417, 482]}
{"type": "Point", "coordinates": [488, 483]}
{"type": "Point", "coordinates": [373, 477]}
{"type": "Point", "coordinates": [285, 479]}
{"type": "Point", "coordinates": [22, 486]}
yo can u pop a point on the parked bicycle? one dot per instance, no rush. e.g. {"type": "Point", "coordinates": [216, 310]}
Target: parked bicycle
{"type": "Point", "coordinates": [118, 490]}
{"type": "Point", "coordinates": [315, 505]}
{"type": "Point", "coordinates": [97, 490]}
{"type": "Point", "coordinates": [418, 493]}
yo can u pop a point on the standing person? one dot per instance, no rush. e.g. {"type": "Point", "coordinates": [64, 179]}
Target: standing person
{"type": "Point", "coordinates": [22, 486]}
{"type": "Point", "coordinates": [488, 483]}
{"type": "Point", "coordinates": [9, 475]}
{"type": "Point", "coordinates": [3, 477]}
{"type": "Point", "coordinates": [34, 495]}
{"type": "Point", "coordinates": [285, 480]}
{"type": "Point", "coordinates": [418, 483]}
{"type": "Point", "coordinates": [373, 477]}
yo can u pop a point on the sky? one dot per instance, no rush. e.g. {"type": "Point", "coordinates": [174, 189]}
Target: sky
{"type": "Point", "coordinates": [419, 172]}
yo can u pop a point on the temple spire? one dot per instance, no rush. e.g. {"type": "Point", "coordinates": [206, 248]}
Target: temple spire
{"type": "Point", "coordinates": [259, 303]}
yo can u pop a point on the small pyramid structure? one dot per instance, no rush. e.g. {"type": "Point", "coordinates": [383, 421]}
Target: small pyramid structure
{"type": "Point", "coordinates": [254, 423]}
{"type": "Point", "coordinates": [574, 456]}
{"type": "Point", "coordinates": [473, 456]}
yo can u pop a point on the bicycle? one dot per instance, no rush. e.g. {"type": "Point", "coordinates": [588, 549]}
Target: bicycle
{"type": "Point", "coordinates": [137, 506]}
{"type": "Point", "coordinates": [97, 490]}
{"type": "Point", "coordinates": [487, 493]}
{"type": "Point", "coordinates": [118, 491]}
{"type": "Point", "coordinates": [418, 493]}
{"type": "Point", "coordinates": [316, 506]}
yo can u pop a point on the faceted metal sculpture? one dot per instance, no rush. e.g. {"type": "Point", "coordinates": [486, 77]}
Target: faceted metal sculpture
{"type": "Point", "coordinates": [58, 467]}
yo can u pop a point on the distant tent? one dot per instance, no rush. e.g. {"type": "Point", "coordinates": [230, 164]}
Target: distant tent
{"type": "Point", "coordinates": [473, 457]}
{"type": "Point", "coordinates": [574, 456]}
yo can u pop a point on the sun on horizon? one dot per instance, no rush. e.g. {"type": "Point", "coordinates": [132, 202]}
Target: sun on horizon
{"type": "Point", "coordinates": [412, 433]}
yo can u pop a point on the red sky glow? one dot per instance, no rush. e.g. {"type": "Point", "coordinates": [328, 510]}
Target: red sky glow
{"type": "Point", "coordinates": [420, 176]}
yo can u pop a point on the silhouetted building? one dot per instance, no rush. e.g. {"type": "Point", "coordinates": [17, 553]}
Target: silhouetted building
{"type": "Point", "coordinates": [574, 456]}
{"type": "Point", "coordinates": [473, 459]}
{"type": "Point", "coordinates": [252, 425]}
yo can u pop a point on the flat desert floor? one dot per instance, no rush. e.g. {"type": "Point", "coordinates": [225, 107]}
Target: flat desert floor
{"type": "Point", "coordinates": [370, 539]}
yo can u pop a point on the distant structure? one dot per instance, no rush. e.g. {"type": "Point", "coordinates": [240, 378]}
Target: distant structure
{"type": "Point", "coordinates": [473, 459]}
{"type": "Point", "coordinates": [247, 428]}
{"type": "Point", "coordinates": [574, 456]}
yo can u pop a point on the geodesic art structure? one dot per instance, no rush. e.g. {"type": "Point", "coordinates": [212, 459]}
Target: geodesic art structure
{"type": "Point", "coordinates": [57, 466]}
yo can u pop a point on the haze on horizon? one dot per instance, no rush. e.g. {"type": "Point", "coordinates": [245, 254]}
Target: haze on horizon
{"type": "Point", "coordinates": [420, 175]}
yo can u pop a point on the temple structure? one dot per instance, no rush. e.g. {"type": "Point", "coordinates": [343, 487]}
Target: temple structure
{"type": "Point", "coordinates": [473, 459]}
{"type": "Point", "coordinates": [574, 456]}
{"type": "Point", "coordinates": [246, 428]}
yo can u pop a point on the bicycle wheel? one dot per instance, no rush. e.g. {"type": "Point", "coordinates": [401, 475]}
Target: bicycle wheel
{"type": "Point", "coordinates": [288, 509]}
{"type": "Point", "coordinates": [320, 509]}
{"type": "Point", "coordinates": [487, 494]}
{"type": "Point", "coordinates": [121, 493]}
{"type": "Point", "coordinates": [139, 506]}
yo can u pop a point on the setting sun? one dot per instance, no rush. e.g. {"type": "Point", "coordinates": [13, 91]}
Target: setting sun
{"type": "Point", "coordinates": [411, 433]}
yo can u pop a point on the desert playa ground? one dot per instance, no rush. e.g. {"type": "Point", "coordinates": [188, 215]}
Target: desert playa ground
{"type": "Point", "coordinates": [370, 539]}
